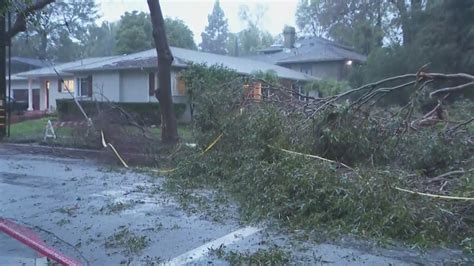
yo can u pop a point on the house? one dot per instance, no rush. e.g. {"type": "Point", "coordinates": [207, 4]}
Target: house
{"type": "Point", "coordinates": [21, 64]}
{"type": "Point", "coordinates": [127, 78]}
{"type": "Point", "coordinates": [35, 86]}
{"type": "Point", "coordinates": [314, 56]}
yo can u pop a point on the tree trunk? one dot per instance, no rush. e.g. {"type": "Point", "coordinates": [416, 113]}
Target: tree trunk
{"type": "Point", "coordinates": [404, 21]}
{"type": "Point", "coordinates": [169, 131]}
{"type": "Point", "coordinates": [43, 45]}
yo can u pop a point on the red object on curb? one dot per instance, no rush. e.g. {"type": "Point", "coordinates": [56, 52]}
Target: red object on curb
{"type": "Point", "coordinates": [29, 238]}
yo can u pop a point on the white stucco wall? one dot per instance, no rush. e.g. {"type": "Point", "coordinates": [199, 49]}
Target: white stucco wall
{"type": "Point", "coordinates": [324, 70]}
{"type": "Point", "coordinates": [106, 85]}
{"type": "Point", "coordinates": [118, 86]}
{"type": "Point", "coordinates": [23, 85]}
{"type": "Point", "coordinates": [134, 86]}
{"type": "Point", "coordinates": [54, 94]}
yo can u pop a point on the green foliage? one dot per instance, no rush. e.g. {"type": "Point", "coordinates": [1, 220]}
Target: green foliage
{"type": "Point", "coordinates": [215, 35]}
{"type": "Point", "coordinates": [273, 256]}
{"type": "Point", "coordinates": [134, 33]}
{"type": "Point", "coordinates": [100, 40]}
{"type": "Point", "coordinates": [252, 38]}
{"type": "Point", "coordinates": [431, 42]}
{"type": "Point", "coordinates": [221, 86]}
{"type": "Point", "coordinates": [269, 76]}
{"type": "Point", "coordinates": [148, 113]}
{"type": "Point", "coordinates": [307, 193]}
{"type": "Point", "coordinates": [179, 34]}
{"type": "Point", "coordinates": [56, 28]}
{"type": "Point", "coordinates": [432, 153]}
{"type": "Point", "coordinates": [127, 241]}
{"type": "Point", "coordinates": [356, 23]}
{"type": "Point", "coordinates": [327, 87]}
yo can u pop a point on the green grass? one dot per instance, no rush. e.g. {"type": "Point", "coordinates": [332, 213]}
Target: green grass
{"type": "Point", "coordinates": [184, 131]}
{"type": "Point", "coordinates": [28, 130]}
{"type": "Point", "coordinates": [31, 131]}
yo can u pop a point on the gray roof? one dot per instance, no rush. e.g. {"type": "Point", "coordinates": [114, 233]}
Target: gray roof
{"type": "Point", "coordinates": [29, 61]}
{"type": "Point", "coordinates": [15, 77]}
{"type": "Point", "coordinates": [182, 57]}
{"type": "Point", "coordinates": [311, 50]}
{"type": "Point", "coordinates": [50, 70]}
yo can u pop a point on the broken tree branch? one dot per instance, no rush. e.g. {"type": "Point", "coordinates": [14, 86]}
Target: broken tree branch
{"type": "Point", "coordinates": [452, 89]}
{"type": "Point", "coordinates": [23, 14]}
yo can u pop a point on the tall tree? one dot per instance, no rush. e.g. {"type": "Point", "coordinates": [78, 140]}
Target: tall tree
{"type": "Point", "coordinates": [20, 11]}
{"type": "Point", "coordinates": [100, 40]}
{"type": "Point", "coordinates": [252, 38]}
{"type": "Point", "coordinates": [134, 33]}
{"type": "Point", "coordinates": [179, 34]}
{"type": "Point", "coordinates": [65, 49]}
{"type": "Point", "coordinates": [45, 27]}
{"type": "Point", "coordinates": [357, 23]}
{"type": "Point", "coordinates": [430, 40]}
{"type": "Point", "coordinates": [169, 130]}
{"type": "Point", "coordinates": [215, 35]}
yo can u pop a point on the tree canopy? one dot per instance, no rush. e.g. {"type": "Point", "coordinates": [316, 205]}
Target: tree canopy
{"type": "Point", "coordinates": [134, 33]}
{"type": "Point", "coordinates": [60, 24]}
{"type": "Point", "coordinates": [179, 34]}
{"type": "Point", "coordinates": [215, 35]}
{"type": "Point", "coordinates": [399, 36]}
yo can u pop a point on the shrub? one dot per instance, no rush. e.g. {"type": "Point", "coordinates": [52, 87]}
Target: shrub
{"type": "Point", "coordinates": [148, 113]}
{"type": "Point", "coordinates": [327, 87]}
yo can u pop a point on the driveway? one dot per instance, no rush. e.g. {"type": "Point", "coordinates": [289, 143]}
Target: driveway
{"type": "Point", "coordinates": [105, 216]}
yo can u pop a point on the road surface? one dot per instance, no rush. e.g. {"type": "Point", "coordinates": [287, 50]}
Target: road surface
{"type": "Point", "coordinates": [110, 217]}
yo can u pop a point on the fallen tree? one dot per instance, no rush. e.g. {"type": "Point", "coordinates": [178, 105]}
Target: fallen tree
{"type": "Point", "coordinates": [343, 163]}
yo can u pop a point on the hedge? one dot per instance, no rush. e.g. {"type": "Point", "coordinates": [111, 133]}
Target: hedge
{"type": "Point", "coordinates": [149, 113]}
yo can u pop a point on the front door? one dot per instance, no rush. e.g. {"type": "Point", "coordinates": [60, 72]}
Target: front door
{"type": "Point", "coordinates": [36, 99]}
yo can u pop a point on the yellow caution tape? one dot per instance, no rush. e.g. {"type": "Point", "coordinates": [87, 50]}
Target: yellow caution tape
{"type": "Point", "coordinates": [105, 144]}
{"type": "Point", "coordinates": [103, 139]}
{"type": "Point", "coordinates": [433, 195]}
{"type": "Point", "coordinates": [164, 171]}
{"type": "Point", "coordinates": [212, 144]}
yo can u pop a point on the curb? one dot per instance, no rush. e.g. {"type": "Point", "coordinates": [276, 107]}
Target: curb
{"type": "Point", "coordinates": [51, 150]}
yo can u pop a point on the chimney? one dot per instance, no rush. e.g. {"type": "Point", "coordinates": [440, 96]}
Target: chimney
{"type": "Point", "coordinates": [289, 37]}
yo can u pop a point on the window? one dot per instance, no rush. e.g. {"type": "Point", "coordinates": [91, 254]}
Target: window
{"type": "Point", "coordinates": [181, 88]}
{"type": "Point", "coordinates": [253, 91]}
{"type": "Point", "coordinates": [84, 86]}
{"type": "Point", "coordinates": [67, 84]}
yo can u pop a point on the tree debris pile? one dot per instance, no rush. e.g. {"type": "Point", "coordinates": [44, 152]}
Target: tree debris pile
{"type": "Point", "coordinates": [134, 142]}
{"type": "Point", "coordinates": [338, 163]}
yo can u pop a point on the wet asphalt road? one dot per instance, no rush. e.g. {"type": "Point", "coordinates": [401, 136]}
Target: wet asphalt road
{"type": "Point", "coordinates": [105, 216]}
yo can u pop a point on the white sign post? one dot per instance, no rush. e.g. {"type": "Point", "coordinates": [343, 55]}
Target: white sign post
{"type": "Point", "coordinates": [49, 131]}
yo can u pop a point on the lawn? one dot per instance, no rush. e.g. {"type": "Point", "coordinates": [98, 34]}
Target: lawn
{"type": "Point", "coordinates": [32, 131]}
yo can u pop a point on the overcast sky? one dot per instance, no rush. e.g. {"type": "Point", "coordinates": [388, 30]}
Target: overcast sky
{"type": "Point", "coordinates": [194, 12]}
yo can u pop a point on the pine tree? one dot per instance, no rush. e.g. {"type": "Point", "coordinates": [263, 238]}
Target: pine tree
{"type": "Point", "coordinates": [214, 37]}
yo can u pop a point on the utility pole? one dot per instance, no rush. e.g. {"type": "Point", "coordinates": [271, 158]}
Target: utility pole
{"type": "Point", "coordinates": [3, 72]}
